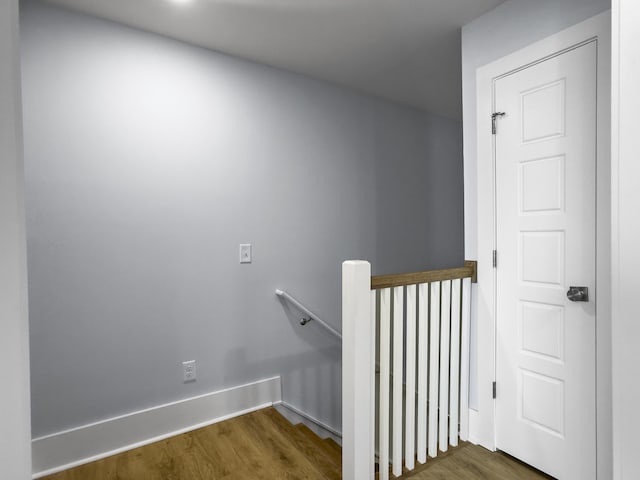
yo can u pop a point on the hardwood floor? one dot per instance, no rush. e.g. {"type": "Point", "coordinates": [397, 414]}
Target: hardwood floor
{"type": "Point", "coordinates": [264, 445]}
{"type": "Point", "coordinates": [259, 445]}
{"type": "Point", "coordinates": [471, 462]}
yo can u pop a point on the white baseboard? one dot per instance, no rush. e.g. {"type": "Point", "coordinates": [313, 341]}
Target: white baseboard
{"type": "Point", "coordinates": [295, 415]}
{"type": "Point", "coordinates": [77, 446]}
{"type": "Point", "coordinates": [473, 426]}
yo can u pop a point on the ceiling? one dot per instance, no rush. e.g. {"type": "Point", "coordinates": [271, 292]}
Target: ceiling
{"type": "Point", "coordinates": [407, 51]}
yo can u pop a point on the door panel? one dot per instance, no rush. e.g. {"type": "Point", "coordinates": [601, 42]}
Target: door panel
{"type": "Point", "coordinates": [545, 215]}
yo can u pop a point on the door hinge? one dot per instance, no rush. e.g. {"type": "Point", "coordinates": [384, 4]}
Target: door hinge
{"type": "Point", "coordinates": [495, 259]}
{"type": "Point", "coordinates": [494, 116]}
{"type": "Point", "coordinates": [494, 390]}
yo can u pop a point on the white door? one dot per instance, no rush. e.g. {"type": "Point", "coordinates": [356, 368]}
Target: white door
{"type": "Point", "coordinates": [545, 149]}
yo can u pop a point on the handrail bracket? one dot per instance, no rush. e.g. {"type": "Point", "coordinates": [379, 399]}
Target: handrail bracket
{"type": "Point", "coordinates": [309, 314]}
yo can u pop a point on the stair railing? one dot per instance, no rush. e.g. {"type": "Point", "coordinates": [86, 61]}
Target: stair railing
{"type": "Point", "coordinates": [417, 325]}
{"type": "Point", "coordinates": [309, 314]}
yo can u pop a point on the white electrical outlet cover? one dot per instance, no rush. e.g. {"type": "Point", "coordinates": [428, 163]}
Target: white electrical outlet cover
{"type": "Point", "coordinates": [189, 371]}
{"type": "Point", "coordinates": [245, 253]}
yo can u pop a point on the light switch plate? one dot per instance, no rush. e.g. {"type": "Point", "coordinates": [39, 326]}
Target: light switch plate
{"type": "Point", "coordinates": [245, 253]}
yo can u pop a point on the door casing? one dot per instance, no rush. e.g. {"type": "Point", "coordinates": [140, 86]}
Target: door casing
{"type": "Point", "coordinates": [482, 421]}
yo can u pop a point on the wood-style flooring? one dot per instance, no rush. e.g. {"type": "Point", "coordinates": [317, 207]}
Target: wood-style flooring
{"type": "Point", "coordinates": [264, 445]}
{"type": "Point", "coordinates": [471, 462]}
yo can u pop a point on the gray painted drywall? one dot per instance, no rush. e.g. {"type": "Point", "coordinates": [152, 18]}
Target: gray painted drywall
{"type": "Point", "coordinates": [15, 439]}
{"type": "Point", "coordinates": [505, 29]}
{"type": "Point", "coordinates": [410, 234]}
{"type": "Point", "coordinates": [148, 161]}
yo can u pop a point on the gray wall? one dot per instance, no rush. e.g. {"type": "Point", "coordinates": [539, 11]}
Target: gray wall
{"type": "Point", "coordinates": [15, 439]}
{"type": "Point", "coordinates": [148, 161]}
{"type": "Point", "coordinates": [509, 27]}
{"type": "Point", "coordinates": [419, 213]}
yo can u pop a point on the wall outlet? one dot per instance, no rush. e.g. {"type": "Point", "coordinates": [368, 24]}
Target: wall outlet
{"type": "Point", "coordinates": [245, 253]}
{"type": "Point", "coordinates": [189, 371]}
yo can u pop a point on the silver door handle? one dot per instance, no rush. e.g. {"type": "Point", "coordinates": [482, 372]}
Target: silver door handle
{"type": "Point", "coordinates": [578, 294]}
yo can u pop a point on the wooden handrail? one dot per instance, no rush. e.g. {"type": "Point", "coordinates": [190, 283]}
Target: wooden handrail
{"type": "Point", "coordinates": [399, 280]}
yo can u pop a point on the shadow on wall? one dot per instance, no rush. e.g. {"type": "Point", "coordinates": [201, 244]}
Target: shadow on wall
{"type": "Point", "coordinates": [318, 368]}
{"type": "Point", "coordinates": [322, 364]}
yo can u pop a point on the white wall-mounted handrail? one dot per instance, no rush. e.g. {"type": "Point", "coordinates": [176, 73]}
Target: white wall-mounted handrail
{"type": "Point", "coordinates": [309, 313]}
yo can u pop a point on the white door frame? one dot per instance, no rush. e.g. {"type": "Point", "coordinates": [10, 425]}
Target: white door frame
{"type": "Point", "coordinates": [598, 27]}
{"type": "Point", "coordinates": [15, 406]}
{"type": "Point", "coordinates": [625, 171]}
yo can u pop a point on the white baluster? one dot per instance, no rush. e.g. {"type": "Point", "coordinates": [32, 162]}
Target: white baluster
{"type": "Point", "coordinates": [445, 324]}
{"type": "Point", "coordinates": [454, 381]}
{"type": "Point", "coordinates": [385, 377]}
{"type": "Point", "coordinates": [410, 389]}
{"type": "Point", "coordinates": [423, 349]}
{"type": "Point", "coordinates": [434, 347]}
{"type": "Point", "coordinates": [398, 357]}
{"type": "Point", "coordinates": [372, 421]}
{"type": "Point", "coordinates": [464, 359]}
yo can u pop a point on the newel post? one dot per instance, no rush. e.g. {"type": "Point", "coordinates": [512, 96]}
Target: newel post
{"type": "Point", "coordinates": [358, 372]}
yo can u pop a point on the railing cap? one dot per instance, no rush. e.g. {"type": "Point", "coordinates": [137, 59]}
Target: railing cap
{"type": "Point", "coordinates": [414, 278]}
